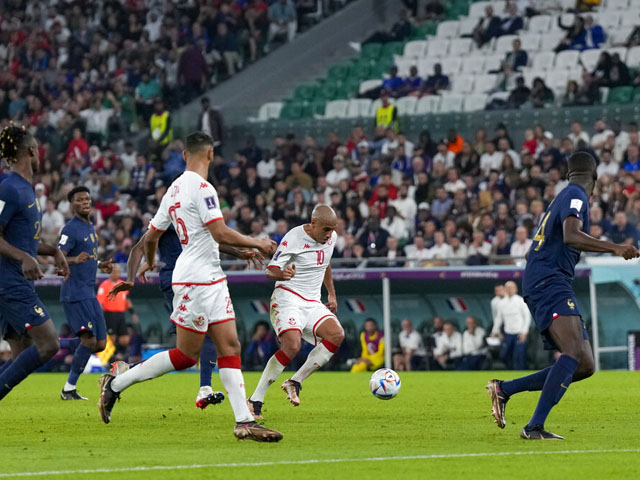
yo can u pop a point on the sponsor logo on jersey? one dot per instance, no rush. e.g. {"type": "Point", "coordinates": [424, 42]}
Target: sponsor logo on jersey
{"type": "Point", "coordinates": [211, 202]}
{"type": "Point", "coordinates": [306, 245]}
{"type": "Point", "coordinates": [90, 325]}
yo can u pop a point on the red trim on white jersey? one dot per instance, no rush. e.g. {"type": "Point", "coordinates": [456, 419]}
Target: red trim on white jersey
{"type": "Point", "coordinates": [223, 321]}
{"type": "Point", "coordinates": [315, 325]}
{"type": "Point", "coordinates": [187, 328]}
{"type": "Point", "coordinates": [289, 329]}
{"type": "Point", "coordinates": [214, 220]}
{"type": "Point", "coordinates": [296, 293]}
{"type": "Point", "coordinates": [201, 284]}
{"type": "Point", "coordinates": [156, 229]}
{"type": "Point", "coordinates": [273, 266]}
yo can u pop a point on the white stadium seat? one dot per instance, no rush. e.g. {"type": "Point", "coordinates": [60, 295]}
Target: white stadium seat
{"type": "Point", "coordinates": [556, 80]}
{"type": "Point", "coordinates": [504, 96]}
{"type": "Point", "coordinates": [540, 23]}
{"type": "Point", "coordinates": [415, 49]}
{"type": "Point", "coordinates": [437, 47]}
{"type": "Point", "coordinates": [475, 102]}
{"type": "Point", "coordinates": [567, 4]}
{"type": "Point", "coordinates": [619, 36]}
{"type": "Point", "coordinates": [530, 75]}
{"type": "Point", "coordinates": [485, 82]}
{"type": "Point", "coordinates": [451, 103]}
{"type": "Point", "coordinates": [576, 74]}
{"type": "Point", "coordinates": [425, 66]}
{"type": "Point", "coordinates": [567, 59]}
{"type": "Point", "coordinates": [567, 20]}
{"type": "Point", "coordinates": [336, 109]}
{"type": "Point", "coordinates": [550, 40]}
{"type": "Point", "coordinates": [358, 107]}
{"type": "Point", "coordinates": [467, 25]}
{"type": "Point", "coordinates": [504, 43]}
{"type": "Point", "coordinates": [406, 105]}
{"type": "Point", "coordinates": [631, 17]}
{"type": "Point", "coordinates": [460, 47]}
{"type": "Point", "coordinates": [617, 4]}
{"type": "Point", "coordinates": [369, 84]}
{"type": "Point", "coordinates": [428, 104]}
{"type": "Point", "coordinates": [499, 7]}
{"type": "Point", "coordinates": [269, 111]}
{"type": "Point", "coordinates": [476, 9]}
{"type": "Point", "coordinates": [493, 62]}
{"type": "Point", "coordinates": [530, 41]}
{"type": "Point", "coordinates": [589, 58]}
{"type": "Point", "coordinates": [543, 61]}
{"type": "Point", "coordinates": [609, 19]}
{"type": "Point", "coordinates": [448, 29]}
{"type": "Point", "coordinates": [633, 57]}
{"type": "Point", "coordinates": [404, 64]}
{"type": "Point", "coordinates": [462, 84]}
{"type": "Point", "coordinates": [474, 64]}
{"type": "Point", "coordinates": [451, 65]}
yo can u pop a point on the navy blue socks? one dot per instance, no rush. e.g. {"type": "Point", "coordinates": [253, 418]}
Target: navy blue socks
{"type": "Point", "coordinates": [208, 357]}
{"type": "Point", "coordinates": [80, 359]}
{"type": "Point", "coordinates": [557, 382]}
{"type": "Point", "coordinates": [532, 383]}
{"type": "Point", "coordinates": [26, 363]}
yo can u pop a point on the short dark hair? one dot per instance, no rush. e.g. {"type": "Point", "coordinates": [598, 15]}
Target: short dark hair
{"type": "Point", "coordinates": [582, 162]}
{"type": "Point", "coordinates": [79, 189]}
{"type": "Point", "coordinates": [13, 140]}
{"type": "Point", "coordinates": [197, 141]}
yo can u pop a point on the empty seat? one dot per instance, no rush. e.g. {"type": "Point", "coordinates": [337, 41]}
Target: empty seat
{"type": "Point", "coordinates": [428, 104]}
{"type": "Point", "coordinates": [620, 96]}
{"type": "Point", "coordinates": [556, 80]}
{"type": "Point", "coordinates": [358, 107]}
{"type": "Point", "coordinates": [504, 43]}
{"type": "Point", "coordinates": [617, 4]}
{"type": "Point", "coordinates": [336, 109]}
{"type": "Point", "coordinates": [451, 103]}
{"type": "Point", "coordinates": [369, 85]}
{"type": "Point", "coordinates": [462, 84]}
{"type": "Point", "coordinates": [437, 47]}
{"type": "Point", "coordinates": [567, 19]}
{"type": "Point", "coordinates": [550, 40]}
{"type": "Point", "coordinates": [499, 7]}
{"type": "Point", "coordinates": [476, 9]}
{"type": "Point", "coordinates": [589, 58]}
{"type": "Point", "coordinates": [567, 4]}
{"type": "Point", "coordinates": [448, 29]}
{"type": "Point", "coordinates": [475, 102]}
{"type": "Point", "coordinates": [540, 23]}
{"type": "Point", "coordinates": [631, 17]}
{"type": "Point", "coordinates": [530, 41]}
{"type": "Point", "coordinates": [415, 49]}
{"type": "Point", "coordinates": [404, 64]}
{"type": "Point", "coordinates": [633, 57]}
{"type": "Point", "coordinates": [493, 62]}
{"type": "Point", "coordinates": [406, 105]}
{"type": "Point", "coordinates": [619, 36]}
{"type": "Point", "coordinates": [484, 83]}
{"type": "Point", "coordinates": [504, 96]}
{"type": "Point", "coordinates": [460, 47]}
{"type": "Point", "coordinates": [474, 64]}
{"type": "Point", "coordinates": [567, 59]}
{"type": "Point", "coordinates": [467, 25]}
{"type": "Point", "coordinates": [268, 111]}
{"type": "Point", "coordinates": [543, 61]}
{"type": "Point", "coordinates": [425, 66]}
{"type": "Point", "coordinates": [609, 19]}
{"type": "Point", "coordinates": [451, 65]}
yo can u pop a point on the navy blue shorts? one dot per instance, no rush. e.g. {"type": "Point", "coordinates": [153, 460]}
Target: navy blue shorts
{"type": "Point", "coordinates": [167, 293]}
{"type": "Point", "coordinates": [86, 316]}
{"type": "Point", "coordinates": [20, 309]}
{"type": "Point", "coordinates": [550, 301]}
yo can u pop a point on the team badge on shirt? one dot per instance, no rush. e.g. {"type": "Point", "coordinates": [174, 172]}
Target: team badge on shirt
{"type": "Point", "coordinates": [572, 305]}
{"type": "Point", "coordinates": [199, 321]}
{"type": "Point", "coordinates": [38, 310]}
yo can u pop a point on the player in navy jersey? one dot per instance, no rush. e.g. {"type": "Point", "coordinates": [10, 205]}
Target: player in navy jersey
{"type": "Point", "coordinates": [547, 289]}
{"type": "Point", "coordinates": [79, 243]}
{"type": "Point", "coordinates": [23, 317]}
{"type": "Point", "coordinates": [169, 249]}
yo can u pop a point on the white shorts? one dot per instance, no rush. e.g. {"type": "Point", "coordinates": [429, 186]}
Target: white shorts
{"type": "Point", "coordinates": [195, 307]}
{"type": "Point", "coordinates": [290, 312]}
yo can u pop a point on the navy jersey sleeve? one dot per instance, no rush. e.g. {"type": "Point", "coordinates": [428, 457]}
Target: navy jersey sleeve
{"type": "Point", "coordinates": [9, 203]}
{"type": "Point", "coordinates": [576, 204]}
{"type": "Point", "coordinates": [67, 239]}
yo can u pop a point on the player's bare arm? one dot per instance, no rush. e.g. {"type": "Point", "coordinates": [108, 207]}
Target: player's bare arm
{"type": "Point", "coordinates": [62, 267]}
{"type": "Point", "coordinates": [225, 235]}
{"type": "Point", "coordinates": [30, 267]}
{"type": "Point", "coordinates": [332, 303]}
{"type": "Point", "coordinates": [253, 258]}
{"type": "Point", "coordinates": [277, 275]}
{"type": "Point", "coordinates": [575, 238]}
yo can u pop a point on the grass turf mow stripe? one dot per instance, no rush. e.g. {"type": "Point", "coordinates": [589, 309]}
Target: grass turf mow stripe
{"type": "Point", "coordinates": [311, 462]}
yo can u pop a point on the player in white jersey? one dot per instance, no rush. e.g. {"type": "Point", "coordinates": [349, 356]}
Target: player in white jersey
{"type": "Point", "coordinates": [201, 302]}
{"type": "Point", "coordinates": [300, 266]}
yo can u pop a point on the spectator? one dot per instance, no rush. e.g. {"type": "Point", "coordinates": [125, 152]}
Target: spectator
{"type": "Point", "coordinates": [541, 95]}
{"type": "Point", "coordinates": [399, 32]}
{"type": "Point", "coordinates": [77, 150]}
{"type": "Point", "coordinates": [284, 20]}
{"type": "Point", "coordinates": [487, 28]}
{"type": "Point", "coordinates": [516, 58]}
{"type": "Point", "coordinates": [262, 346]}
{"type": "Point", "coordinates": [619, 75]}
{"type": "Point", "coordinates": [193, 75]}
{"type": "Point", "coordinates": [576, 35]}
{"type": "Point", "coordinates": [52, 223]}
{"type": "Point", "coordinates": [387, 114]}
{"type": "Point", "coordinates": [513, 22]}
{"type": "Point", "coordinates": [602, 71]}
{"type": "Point", "coordinates": [393, 224]}
{"type": "Point", "coordinates": [417, 253]}
{"type": "Point", "coordinates": [499, 294]}
{"type": "Point", "coordinates": [440, 250]}
{"type": "Point", "coordinates": [622, 231]}
{"type": "Point", "coordinates": [413, 83]}
{"type": "Point", "coordinates": [434, 10]}
{"type": "Point", "coordinates": [594, 34]}
{"type": "Point", "coordinates": [448, 349]}
{"type": "Point", "coordinates": [444, 155]}
{"type": "Point", "coordinates": [373, 238]}
{"type": "Point", "coordinates": [160, 125]}
{"type": "Point", "coordinates": [393, 85]}
{"type": "Point", "coordinates": [436, 82]}
{"type": "Point", "coordinates": [225, 45]}
{"type": "Point", "coordinates": [413, 353]}
{"type": "Point", "coordinates": [511, 325]}
{"type": "Point", "coordinates": [479, 250]}
{"type": "Point", "coordinates": [519, 95]}
{"type": "Point", "coordinates": [405, 207]}
{"type": "Point", "coordinates": [578, 134]}
{"type": "Point", "coordinates": [474, 347]}
{"type": "Point", "coordinates": [632, 163]}
{"type": "Point", "coordinates": [372, 341]}
{"type": "Point", "coordinates": [392, 252]}
{"type": "Point", "coordinates": [441, 204]}
{"type": "Point", "coordinates": [454, 183]}
{"type": "Point", "coordinates": [491, 159]}
{"type": "Point", "coordinates": [607, 166]}
{"type": "Point", "coordinates": [339, 173]}
{"type": "Point", "coordinates": [212, 124]}
{"type": "Point", "coordinates": [97, 118]}
{"type": "Point", "coordinates": [521, 246]}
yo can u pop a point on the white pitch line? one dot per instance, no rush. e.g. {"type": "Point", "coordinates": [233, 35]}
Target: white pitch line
{"type": "Point", "coordinates": [308, 462]}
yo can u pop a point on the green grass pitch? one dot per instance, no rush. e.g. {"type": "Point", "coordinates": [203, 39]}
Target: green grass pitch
{"type": "Point", "coordinates": [429, 431]}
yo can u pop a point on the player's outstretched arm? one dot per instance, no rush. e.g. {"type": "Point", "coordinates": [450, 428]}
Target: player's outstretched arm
{"type": "Point", "coordinates": [275, 274]}
{"type": "Point", "coordinates": [133, 263]}
{"type": "Point", "coordinates": [30, 267]}
{"type": "Point", "coordinates": [332, 300]}
{"type": "Point", "coordinates": [60, 259]}
{"type": "Point", "coordinates": [576, 238]}
{"type": "Point", "coordinates": [227, 236]}
{"type": "Point", "coordinates": [251, 256]}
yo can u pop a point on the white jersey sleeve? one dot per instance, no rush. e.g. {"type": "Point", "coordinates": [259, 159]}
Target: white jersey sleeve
{"type": "Point", "coordinates": [161, 220]}
{"type": "Point", "coordinates": [285, 254]}
{"type": "Point", "coordinates": [207, 203]}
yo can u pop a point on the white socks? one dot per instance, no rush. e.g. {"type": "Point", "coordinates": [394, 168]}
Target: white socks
{"type": "Point", "coordinates": [156, 366]}
{"type": "Point", "coordinates": [231, 378]}
{"type": "Point", "coordinates": [275, 366]}
{"type": "Point", "coordinates": [318, 358]}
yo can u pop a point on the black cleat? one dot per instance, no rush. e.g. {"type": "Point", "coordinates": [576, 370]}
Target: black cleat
{"type": "Point", "coordinates": [107, 397]}
{"type": "Point", "coordinates": [255, 408]}
{"type": "Point", "coordinates": [212, 399]}
{"type": "Point", "coordinates": [499, 401]}
{"type": "Point", "coordinates": [71, 395]}
{"type": "Point", "coordinates": [255, 431]}
{"type": "Point", "coordinates": [292, 388]}
{"type": "Point", "coordinates": [537, 432]}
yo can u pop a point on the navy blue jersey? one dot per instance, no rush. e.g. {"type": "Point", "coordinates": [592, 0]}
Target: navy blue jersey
{"type": "Point", "coordinates": [549, 257]}
{"type": "Point", "coordinates": [169, 249]}
{"type": "Point", "coordinates": [77, 237]}
{"type": "Point", "coordinates": [21, 217]}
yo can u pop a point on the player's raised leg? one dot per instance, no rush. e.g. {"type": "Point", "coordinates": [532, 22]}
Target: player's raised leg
{"type": "Point", "coordinates": [332, 335]}
{"type": "Point", "coordinates": [206, 396]}
{"type": "Point", "coordinates": [290, 343]}
{"type": "Point", "coordinates": [225, 337]}
{"type": "Point", "coordinates": [81, 356]}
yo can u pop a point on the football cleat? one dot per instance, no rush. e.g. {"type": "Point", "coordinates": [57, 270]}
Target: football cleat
{"type": "Point", "coordinates": [498, 401]}
{"type": "Point", "coordinates": [119, 367]}
{"type": "Point", "coordinates": [292, 388]}
{"type": "Point", "coordinates": [107, 397]}
{"type": "Point", "coordinates": [255, 408]}
{"type": "Point", "coordinates": [71, 395]}
{"type": "Point", "coordinates": [537, 432]}
{"type": "Point", "coordinates": [255, 431]}
{"type": "Point", "coordinates": [206, 396]}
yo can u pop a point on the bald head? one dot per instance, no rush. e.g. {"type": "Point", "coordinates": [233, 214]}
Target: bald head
{"type": "Point", "coordinates": [324, 213]}
{"type": "Point", "coordinates": [511, 288]}
{"type": "Point", "coordinates": [323, 222]}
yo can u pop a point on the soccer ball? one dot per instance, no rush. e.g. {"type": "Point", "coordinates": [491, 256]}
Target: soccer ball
{"type": "Point", "coordinates": [384, 384]}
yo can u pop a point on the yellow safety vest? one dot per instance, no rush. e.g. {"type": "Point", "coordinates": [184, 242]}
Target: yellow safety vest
{"type": "Point", "coordinates": [158, 124]}
{"type": "Point", "coordinates": [384, 116]}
